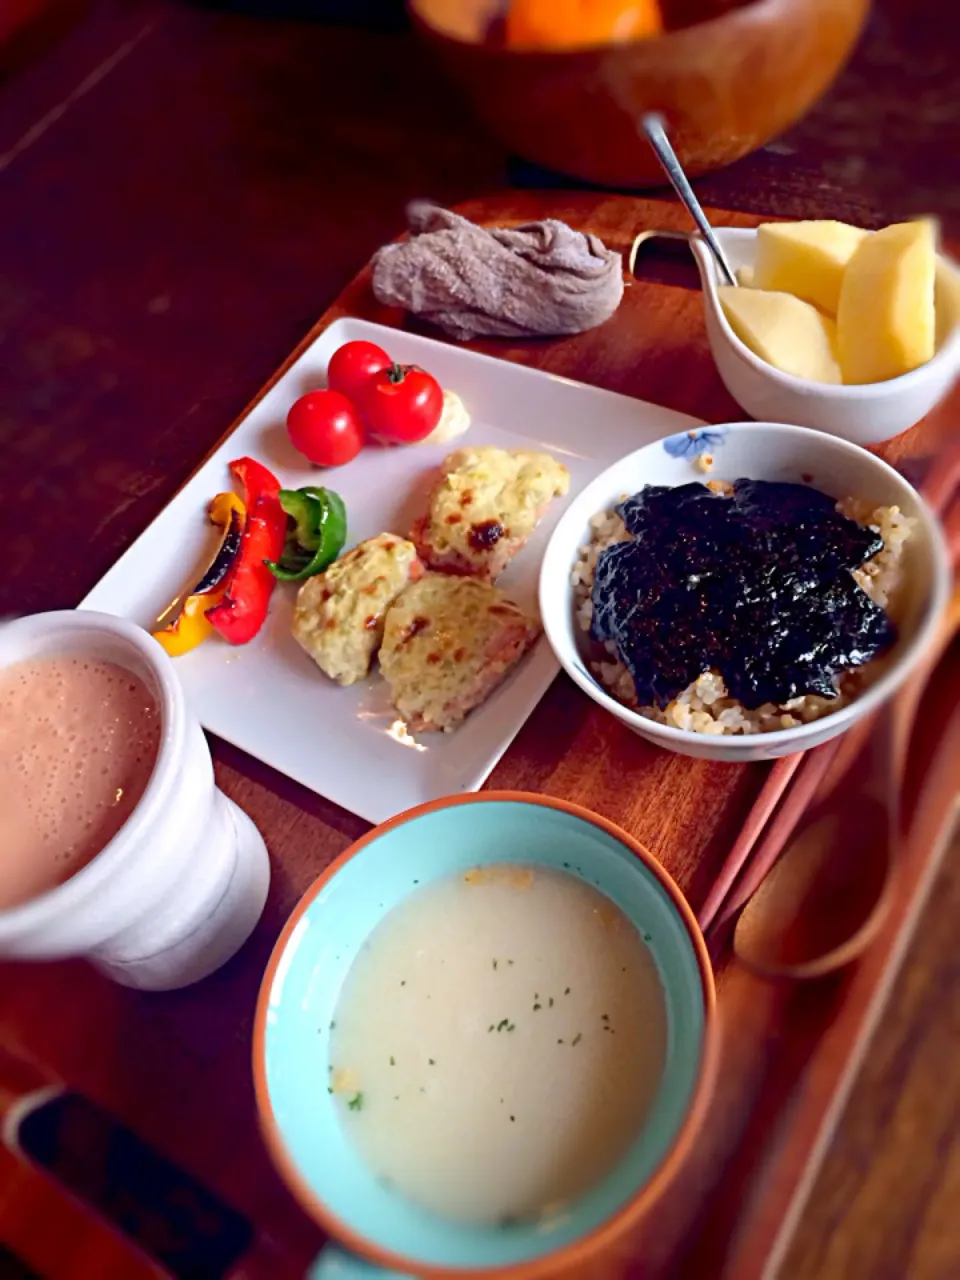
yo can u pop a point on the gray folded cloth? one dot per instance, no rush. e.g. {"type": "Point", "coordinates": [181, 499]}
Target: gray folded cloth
{"type": "Point", "coordinates": [540, 278]}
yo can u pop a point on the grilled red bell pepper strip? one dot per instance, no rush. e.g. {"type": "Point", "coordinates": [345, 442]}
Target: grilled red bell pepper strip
{"type": "Point", "coordinates": [242, 611]}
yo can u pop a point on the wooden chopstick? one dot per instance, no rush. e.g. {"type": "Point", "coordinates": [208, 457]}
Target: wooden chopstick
{"type": "Point", "coordinates": [776, 784]}
{"type": "Point", "coordinates": [751, 858]}
{"type": "Point", "coordinates": [807, 779]}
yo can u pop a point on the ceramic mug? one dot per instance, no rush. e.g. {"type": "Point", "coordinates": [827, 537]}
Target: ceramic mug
{"type": "Point", "coordinates": [180, 887]}
{"type": "Point", "coordinates": [382, 1233]}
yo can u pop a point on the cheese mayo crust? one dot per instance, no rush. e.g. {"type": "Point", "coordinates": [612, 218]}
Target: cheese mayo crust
{"type": "Point", "coordinates": [448, 642]}
{"type": "Point", "coordinates": [483, 507]}
{"type": "Point", "coordinates": [339, 615]}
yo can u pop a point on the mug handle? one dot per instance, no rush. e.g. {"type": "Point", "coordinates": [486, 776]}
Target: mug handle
{"type": "Point", "coordinates": [334, 1264]}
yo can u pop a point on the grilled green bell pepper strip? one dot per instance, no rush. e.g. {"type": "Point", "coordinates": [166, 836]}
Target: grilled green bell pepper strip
{"type": "Point", "coordinates": [305, 509]}
{"type": "Point", "coordinates": [318, 535]}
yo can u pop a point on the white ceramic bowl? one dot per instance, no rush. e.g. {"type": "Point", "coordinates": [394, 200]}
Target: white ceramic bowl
{"type": "Point", "coordinates": [864, 414]}
{"type": "Point", "coordinates": [759, 451]}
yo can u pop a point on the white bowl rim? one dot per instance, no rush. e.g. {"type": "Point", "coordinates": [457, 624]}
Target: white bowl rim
{"type": "Point", "coordinates": [871, 697]}
{"type": "Point", "coordinates": [851, 391]}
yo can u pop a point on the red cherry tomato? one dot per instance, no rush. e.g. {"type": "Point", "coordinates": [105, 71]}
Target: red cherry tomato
{"type": "Point", "coordinates": [352, 365]}
{"type": "Point", "coordinates": [326, 427]}
{"type": "Point", "coordinates": [402, 403]}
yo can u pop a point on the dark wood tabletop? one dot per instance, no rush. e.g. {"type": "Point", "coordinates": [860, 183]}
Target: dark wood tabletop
{"type": "Point", "coordinates": [184, 190]}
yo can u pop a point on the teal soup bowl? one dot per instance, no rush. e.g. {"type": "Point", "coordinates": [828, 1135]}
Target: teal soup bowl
{"type": "Point", "coordinates": [377, 1230]}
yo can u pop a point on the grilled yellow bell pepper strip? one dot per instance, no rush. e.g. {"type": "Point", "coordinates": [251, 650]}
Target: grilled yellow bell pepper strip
{"type": "Point", "coordinates": [191, 626]}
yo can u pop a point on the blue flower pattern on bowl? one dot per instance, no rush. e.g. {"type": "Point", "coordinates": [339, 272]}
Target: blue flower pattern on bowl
{"type": "Point", "coordinates": [693, 444]}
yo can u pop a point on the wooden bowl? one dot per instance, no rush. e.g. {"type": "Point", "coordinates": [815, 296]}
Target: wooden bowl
{"type": "Point", "coordinates": [725, 85]}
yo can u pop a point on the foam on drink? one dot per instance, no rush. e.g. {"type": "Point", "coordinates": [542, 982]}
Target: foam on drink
{"type": "Point", "coordinates": [79, 737]}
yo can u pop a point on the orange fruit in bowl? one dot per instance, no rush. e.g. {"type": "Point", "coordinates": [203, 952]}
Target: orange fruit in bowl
{"type": "Point", "coordinates": [566, 24]}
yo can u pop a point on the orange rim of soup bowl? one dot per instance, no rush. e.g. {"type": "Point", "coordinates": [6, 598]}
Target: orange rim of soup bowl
{"type": "Point", "coordinates": [622, 1220]}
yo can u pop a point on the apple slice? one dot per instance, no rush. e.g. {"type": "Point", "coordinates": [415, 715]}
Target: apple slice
{"type": "Point", "coordinates": [791, 335]}
{"type": "Point", "coordinates": [886, 324]}
{"type": "Point", "coordinates": [806, 259]}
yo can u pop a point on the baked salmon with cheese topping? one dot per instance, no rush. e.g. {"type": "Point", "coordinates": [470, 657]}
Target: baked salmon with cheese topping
{"type": "Point", "coordinates": [447, 643]}
{"type": "Point", "coordinates": [339, 615]}
{"type": "Point", "coordinates": [483, 507]}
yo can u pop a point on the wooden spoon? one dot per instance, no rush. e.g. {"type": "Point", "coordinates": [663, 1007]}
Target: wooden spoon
{"type": "Point", "coordinates": [823, 901]}
{"type": "Point", "coordinates": [826, 896]}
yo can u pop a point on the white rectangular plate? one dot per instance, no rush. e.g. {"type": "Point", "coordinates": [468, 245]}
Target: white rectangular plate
{"type": "Point", "coordinates": [268, 697]}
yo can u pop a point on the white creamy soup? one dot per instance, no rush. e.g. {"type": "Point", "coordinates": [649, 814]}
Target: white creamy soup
{"type": "Point", "coordinates": [498, 1043]}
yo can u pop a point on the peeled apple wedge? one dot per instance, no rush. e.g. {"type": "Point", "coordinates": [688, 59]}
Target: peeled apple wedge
{"type": "Point", "coordinates": [886, 323]}
{"type": "Point", "coordinates": [806, 259]}
{"type": "Point", "coordinates": [790, 334]}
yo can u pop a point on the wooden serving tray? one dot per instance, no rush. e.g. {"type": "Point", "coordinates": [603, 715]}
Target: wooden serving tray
{"type": "Point", "coordinates": [176, 1068]}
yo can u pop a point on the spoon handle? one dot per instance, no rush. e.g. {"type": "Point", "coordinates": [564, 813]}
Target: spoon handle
{"type": "Point", "coordinates": [652, 124]}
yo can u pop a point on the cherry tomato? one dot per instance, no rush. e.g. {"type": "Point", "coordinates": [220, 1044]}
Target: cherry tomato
{"type": "Point", "coordinates": [402, 403]}
{"type": "Point", "coordinates": [352, 365]}
{"type": "Point", "coordinates": [326, 427]}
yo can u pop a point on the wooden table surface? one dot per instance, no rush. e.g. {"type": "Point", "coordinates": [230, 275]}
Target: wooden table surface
{"type": "Point", "coordinates": [181, 194]}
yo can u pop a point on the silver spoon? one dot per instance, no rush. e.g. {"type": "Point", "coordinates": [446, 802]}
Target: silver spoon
{"type": "Point", "coordinates": [652, 125]}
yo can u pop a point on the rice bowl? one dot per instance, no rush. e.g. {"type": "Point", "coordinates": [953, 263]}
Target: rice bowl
{"type": "Point", "coordinates": [910, 575]}
{"type": "Point", "coordinates": [705, 705]}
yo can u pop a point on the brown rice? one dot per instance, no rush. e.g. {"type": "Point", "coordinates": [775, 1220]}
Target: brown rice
{"type": "Point", "coordinates": [704, 706]}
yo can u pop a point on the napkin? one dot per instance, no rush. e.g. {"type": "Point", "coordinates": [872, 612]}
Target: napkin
{"type": "Point", "coordinates": [537, 279]}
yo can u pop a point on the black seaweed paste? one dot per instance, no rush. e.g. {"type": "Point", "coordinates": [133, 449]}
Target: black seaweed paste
{"type": "Point", "coordinates": [755, 585]}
